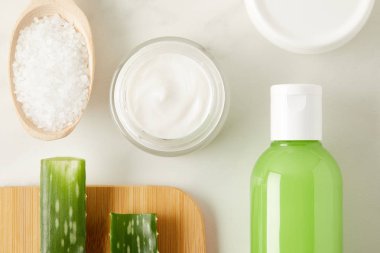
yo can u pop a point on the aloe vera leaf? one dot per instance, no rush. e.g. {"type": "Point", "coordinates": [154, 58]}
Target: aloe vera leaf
{"type": "Point", "coordinates": [63, 205]}
{"type": "Point", "coordinates": [133, 233]}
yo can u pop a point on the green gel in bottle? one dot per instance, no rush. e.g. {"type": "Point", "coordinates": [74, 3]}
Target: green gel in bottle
{"type": "Point", "coordinates": [296, 185]}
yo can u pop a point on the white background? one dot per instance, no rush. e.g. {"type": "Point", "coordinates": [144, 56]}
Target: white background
{"type": "Point", "coordinates": [218, 176]}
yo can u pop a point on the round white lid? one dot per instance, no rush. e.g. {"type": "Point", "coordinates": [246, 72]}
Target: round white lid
{"type": "Point", "coordinates": [309, 26]}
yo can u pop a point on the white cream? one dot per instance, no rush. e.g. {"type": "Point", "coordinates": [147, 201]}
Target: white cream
{"type": "Point", "coordinates": [168, 95]}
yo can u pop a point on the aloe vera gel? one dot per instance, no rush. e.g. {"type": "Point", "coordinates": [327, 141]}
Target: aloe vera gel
{"type": "Point", "coordinates": [296, 185]}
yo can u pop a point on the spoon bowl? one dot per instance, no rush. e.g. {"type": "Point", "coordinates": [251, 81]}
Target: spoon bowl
{"type": "Point", "coordinates": [69, 11]}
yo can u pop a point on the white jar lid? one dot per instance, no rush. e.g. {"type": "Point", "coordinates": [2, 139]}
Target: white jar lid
{"type": "Point", "coordinates": [309, 26]}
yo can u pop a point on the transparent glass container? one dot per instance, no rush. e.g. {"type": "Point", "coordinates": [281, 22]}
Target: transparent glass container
{"type": "Point", "coordinates": [217, 109]}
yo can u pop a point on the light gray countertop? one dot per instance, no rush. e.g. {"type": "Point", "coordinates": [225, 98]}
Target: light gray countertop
{"type": "Point", "coordinates": [217, 176]}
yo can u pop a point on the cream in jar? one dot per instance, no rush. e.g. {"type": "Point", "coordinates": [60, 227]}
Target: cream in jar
{"type": "Point", "coordinates": [169, 97]}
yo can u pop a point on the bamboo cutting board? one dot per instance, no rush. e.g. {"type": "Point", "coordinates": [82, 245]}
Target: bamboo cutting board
{"type": "Point", "coordinates": [180, 223]}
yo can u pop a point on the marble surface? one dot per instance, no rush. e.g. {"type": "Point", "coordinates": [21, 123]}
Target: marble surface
{"type": "Point", "coordinates": [218, 176]}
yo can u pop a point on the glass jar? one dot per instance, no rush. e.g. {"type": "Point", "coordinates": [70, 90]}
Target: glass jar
{"type": "Point", "coordinates": [132, 73]}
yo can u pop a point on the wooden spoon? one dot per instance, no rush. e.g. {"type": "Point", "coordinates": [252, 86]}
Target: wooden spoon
{"type": "Point", "coordinates": [69, 11]}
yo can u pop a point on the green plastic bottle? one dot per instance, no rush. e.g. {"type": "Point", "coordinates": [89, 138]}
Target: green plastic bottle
{"type": "Point", "coordinates": [296, 185]}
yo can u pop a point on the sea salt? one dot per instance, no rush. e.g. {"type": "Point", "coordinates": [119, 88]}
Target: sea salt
{"type": "Point", "coordinates": [51, 73]}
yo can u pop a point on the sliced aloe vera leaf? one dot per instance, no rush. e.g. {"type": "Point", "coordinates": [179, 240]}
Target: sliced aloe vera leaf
{"type": "Point", "coordinates": [134, 233]}
{"type": "Point", "coordinates": [63, 205]}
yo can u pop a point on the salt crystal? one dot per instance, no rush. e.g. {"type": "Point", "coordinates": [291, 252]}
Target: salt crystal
{"type": "Point", "coordinates": [51, 73]}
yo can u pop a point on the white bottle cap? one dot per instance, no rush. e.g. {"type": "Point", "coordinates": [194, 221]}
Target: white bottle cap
{"type": "Point", "coordinates": [296, 112]}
